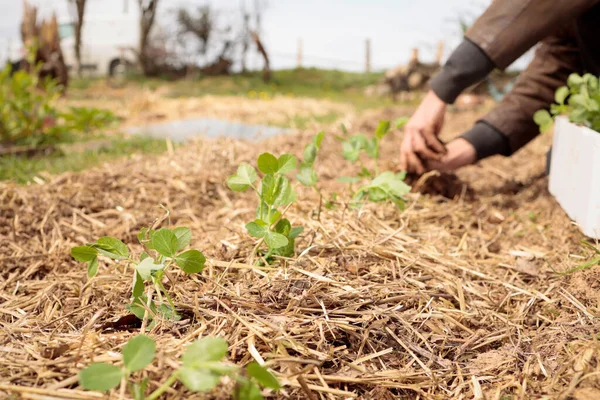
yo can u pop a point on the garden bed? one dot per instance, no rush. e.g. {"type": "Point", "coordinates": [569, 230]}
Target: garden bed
{"type": "Point", "coordinates": [452, 298]}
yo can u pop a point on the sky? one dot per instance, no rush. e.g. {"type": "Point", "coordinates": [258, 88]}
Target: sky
{"type": "Point", "coordinates": [333, 32]}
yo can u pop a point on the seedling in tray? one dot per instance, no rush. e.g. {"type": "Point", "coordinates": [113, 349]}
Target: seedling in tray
{"type": "Point", "coordinates": [201, 369]}
{"type": "Point", "coordinates": [163, 250]}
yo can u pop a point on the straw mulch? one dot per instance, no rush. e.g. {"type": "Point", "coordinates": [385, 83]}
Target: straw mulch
{"type": "Point", "coordinates": [453, 298]}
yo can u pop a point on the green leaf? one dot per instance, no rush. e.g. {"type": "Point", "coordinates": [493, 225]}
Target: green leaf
{"type": "Point", "coordinates": [561, 95]}
{"type": "Point", "coordinates": [267, 189]}
{"type": "Point", "coordinates": [92, 267]}
{"type": "Point", "coordinates": [165, 242]}
{"type": "Point", "coordinates": [267, 214]}
{"type": "Point", "coordinates": [191, 261]}
{"type": "Point", "coordinates": [144, 235]}
{"type": "Point", "coordinates": [310, 153]}
{"type": "Point", "coordinates": [307, 176]}
{"type": "Point", "coordinates": [574, 80]}
{"type": "Point", "coordinates": [267, 163]}
{"type": "Point", "coordinates": [143, 256]}
{"type": "Point", "coordinates": [318, 139]}
{"type": "Point", "coordinates": [351, 150]}
{"type": "Point", "coordinates": [286, 164]}
{"type": "Point", "coordinates": [348, 179]}
{"type": "Point", "coordinates": [343, 129]}
{"type": "Point", "coordinates": [138, 353]}
{"type": "Point", "coordinates": [138, 390]}
{"type": "Point", "coordinates": [371, 147]}
{"type": "Point", "coordinates": [137, 307]}
{"type": "Point", "coordinates": [283, 192]}
{"type": "Point", "coordinates": [84, 253]}
{"type": "Point", "coordinates": [147, 267]}
{"type": "Point", "coordinates": [275, 240]}
{"type": "Point", "coordinates": [100, 376]}
{"type": "Point", "coordinates": [138, 284]}
{"type": "Point", "coordinates": [209, 348]}
{"type": "Point", "coordinates": [243, 179]}
{"type": "Point", "coordinates": [283, 226]}
{"type": "Point", "coordinates": [248, 390]}
{"type": "Point", "coordinates": [184, 237]}
{"type": "Point", "coordinates": [400, 122]}
{"type": "Point", "coordinates": [295, 232]}
{"type": "Point", "coordinates": [112, 248]}
{"type": "Point", "coordinates": [382, 129]}
{"type": "Point", "coordinates": [257, 228]}
{"type": "Point", "coordinates": [263, 376]}
{"type": "Point", "coordinates": [543, 119]}
{"type": "Point", "coordinates": [198, 380]}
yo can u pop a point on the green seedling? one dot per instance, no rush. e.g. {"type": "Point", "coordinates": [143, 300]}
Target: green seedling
{"type": "Point", "coordinates": [274, 192]}
{"type": "Point", "coordinates": [579, 100]}
{"type": "Point", "coordinates": [385, 186]}
{"type": "Point", "coordinates": [201, 369]}
{"type": "Point", "coordinates": [592, 262]}
{"type": "Point", "coordinates": [307, 175]}
{"type": "Point", "coordinates": [163, 250]}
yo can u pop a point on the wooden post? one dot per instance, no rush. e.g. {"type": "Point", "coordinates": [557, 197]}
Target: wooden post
{"type": "Point", "coordinates": [368, 56]}
{"type": "Point", "coordinates": [299, 55]}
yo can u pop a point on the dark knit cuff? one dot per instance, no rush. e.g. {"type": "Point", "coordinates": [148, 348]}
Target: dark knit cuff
{"type": "Point", "coordinates": [487, 140]}
{"type": "Point", "coordinates": [467, 65]}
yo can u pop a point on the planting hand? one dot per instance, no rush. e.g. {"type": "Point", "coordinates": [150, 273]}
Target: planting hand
{"type": "Point", "coordinates": [420, 144]}
{"type": "Point", "coordinates": [459, 154]}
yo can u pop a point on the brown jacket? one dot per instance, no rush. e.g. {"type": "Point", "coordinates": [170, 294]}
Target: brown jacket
{"type": "Point", "coordinates": [568, 34]}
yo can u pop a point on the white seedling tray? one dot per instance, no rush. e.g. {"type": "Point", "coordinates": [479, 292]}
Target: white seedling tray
{"type": "Point", "coordinates": [575, 174]}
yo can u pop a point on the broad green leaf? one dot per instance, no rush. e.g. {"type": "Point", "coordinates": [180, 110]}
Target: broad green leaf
{"type": "Point", "coordinates": [198, 380]}
{"type": "Point", "coordinates": [401, 175]}
{"type": "Point", "coordinates": [351, 150]}
{"type": "Point", "coordinates": [561, 95]}
{"type": "Point", "coordinates": [112, 248]}
{"type": "Point", "coordinates": [400, 122]}
{"type": "Point", "coordinates": [283, 226]}
{"type": "Point", "coordinates": [284, 193]}
{"type": "Point", "coordinates": [267, 163]}
{"type": "Point", "coordinates": [318, 139]}
{"type": "Point", "coordinates": [92, 267]}
{"type": "Point", "coordinates": [247, 390]}
{"type": "Point", "coordinates": [206, 349]}
{"type": "Point", "coordinates": [184, 237]}
{"type": "Point", "coordinates": [243, 179]}
{"type": "Point", "coordinates": [267, 189]}
{"type": "Point", "coordinates": [138, 284]}
{"type": "Point", "coordinates": [257, 228]}
{"type": "Point", "coordinates": [263, 376]}
{"type": "Point", "coordinates": [138, 309]}
{"type": "Point", "coordinates": [84, 253]}
{"type": "Point", "coordinates": [377, 194]}
{"type": "Point", "coordinates": [138, 353]}
{"type": "Point", "coordinates": [310, 154]}
{"type": "Point", "coordinates": [144, 235]}
{"type": "Point", "coordinates": [574, 80]}
{"type": "Point", "coordinates": [348, 179]}
{"type": "Point", "coordinates": [101, 377]}
{"type": "Point", "coordinates": [165, 242]}
{"type": "Point", "coordinates": [371, 147]}
{"type": "Point", "coordinates": [147, 267]}
{"type": "Point", "coordinates": [295, 232]}
{"type": "Point", "coordinates": [275, 240]}
{"type": "Point", "coordinates": [307, 175]}
{"type": "Point", "coordinates": [286, 164]}
{"type": "Point", "coordinates": [143, 256]}
{"type": "Point", "coordinates": [191, 261]}
{"type": "Point", "coordinates": [542, 118]}
{"type": "Point", "coordinates": [382, 129]}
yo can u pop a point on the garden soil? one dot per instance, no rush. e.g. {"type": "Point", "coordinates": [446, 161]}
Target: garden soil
{"type": "Point", "coordinates": [459, 296]}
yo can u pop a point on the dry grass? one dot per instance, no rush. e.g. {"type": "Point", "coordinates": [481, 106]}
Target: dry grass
{"type": "Point", "coordinates": [453, 298]}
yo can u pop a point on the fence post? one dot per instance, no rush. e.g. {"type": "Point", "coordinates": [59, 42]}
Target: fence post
{"type": "Point", "coordinates": [368, 56]}
{"type": "Point", "coordinates": [299, 55]}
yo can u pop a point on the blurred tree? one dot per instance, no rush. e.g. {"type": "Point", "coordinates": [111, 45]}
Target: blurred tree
{"type": "Point", "coordinates": [147, 18]}
{"type": "Point", "coordinates": [78, 11]}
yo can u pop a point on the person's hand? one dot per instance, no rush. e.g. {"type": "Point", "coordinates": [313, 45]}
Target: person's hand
{"type": "Point", "coordinates": [459, 154]}
{"type": "Point", "coordinates": [420, 144]}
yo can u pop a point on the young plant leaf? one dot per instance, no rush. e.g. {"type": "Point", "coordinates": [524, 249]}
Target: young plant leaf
{"type": "Point", "coordinates": [295, 232]}
{"type": "Point", "coordinates": [561, 95]}
{"type": "Point", "coordinates": [248, 390]}
{"type": "Point", "coordinates": [400, 122]}
{"type": "Point", "coordinates": [112, 248]}
{"type": "Point", "coordinates": [263, 376]}
{"type": "Point", "coordinates": [348, 179]}
{"type": "Point", "coordinates": [92, 267]}
{"type": "Point", "coordinates": [310, 154]}
{"type": "Point", "coordinates": [543, 119]}
{"type": "Point", "coordinates": [243, 179]}
{"type": "Point", "coordinates": [267, 163]}
{"type": "Point", "coordinates": [191, 261]}
{"type": "Point", "coordinates": [138, 353]}
{"type": "Point", "coordinates": [198, 379]}
{"type": "Point", "coordinates": [286, 164]}
{"type": "Point", "coordinates": [307, 176]}
{"type": "Point", "coordinates": [257, 228]}
{"type": "Point", "coordinates": [382, 129]}
{"type": "Point", "coordinates": [100, 376]}
{"type": "Point", "coordinates": [138, 285]}
{"type": "Point", "coordinates": [84, 253]}
{"type": "Point", "coordinates": [318, 139]}
{"type": "Point", "coordinates": [283, 192]}
{"type": "Point", "coordinates": [147, 267]}
{"type": "Point", "coordinates": [184, 237]}
{"type": "Point", "coordinates": [165, 242]}
{"type": "Point", "coordinates": [203, 350]}
{"type": "Point", "coordinates": [275, 240]}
